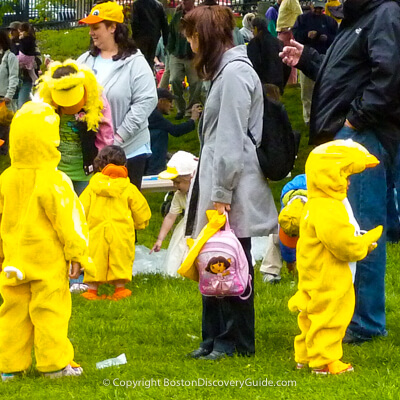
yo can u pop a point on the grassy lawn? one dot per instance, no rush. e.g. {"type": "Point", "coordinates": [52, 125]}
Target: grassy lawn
{"type": "Point", "coordinates": [161, 323]}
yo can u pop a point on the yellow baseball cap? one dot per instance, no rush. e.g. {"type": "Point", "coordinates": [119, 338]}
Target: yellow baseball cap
{"type": "Point", "coordinates": [108, 11]}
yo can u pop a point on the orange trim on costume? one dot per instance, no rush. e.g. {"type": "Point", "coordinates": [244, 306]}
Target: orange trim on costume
{"type": "Point", "coordinates": [115, 171]}
{"type": "Point", "coordinates": [287, 240]}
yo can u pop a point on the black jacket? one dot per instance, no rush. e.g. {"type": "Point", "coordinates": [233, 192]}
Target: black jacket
{"type": "Point", "coordinates": [359, 78]}
{"type": "Point", "coordinates": [322, 24]}
{"type": "Point", "coordinates": [263, 51]}
{"type": "Point", "coordinates": [149, 19]}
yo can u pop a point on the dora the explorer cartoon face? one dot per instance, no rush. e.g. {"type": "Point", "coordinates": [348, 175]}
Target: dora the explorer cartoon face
{"type": "Point", "coordinates": [218, 265]}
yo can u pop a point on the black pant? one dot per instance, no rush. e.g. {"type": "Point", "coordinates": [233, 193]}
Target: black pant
{"type": "Point", "coordinates": [228, 322]}
{"type": "Point", "coordinates": [147, 46]}
{"type": "Point", "coordinates": [135, 166]}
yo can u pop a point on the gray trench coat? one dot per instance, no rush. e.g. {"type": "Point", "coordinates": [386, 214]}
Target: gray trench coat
{"type": "Point", "coordinates": [228, 169]}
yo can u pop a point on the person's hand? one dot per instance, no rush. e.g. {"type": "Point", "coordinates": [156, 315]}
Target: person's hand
{"type": "Point", "coordinates": [291, 54]}
{"type": "Point", "coordinates": [312, 34]}
{"type": "Point", "coordinates": [323, 38]}
{"type": "Point", "coordinates": [75, 270]}
{"type": "Point", "coordinates": [196, 111]}
{"type": "Point", "coordinates": [349, 125]}
{"type": "Point", "coordinates": [372, 247]}
{"type": "Point", "coordinates": [7, 100]}
{"type": "Point", "coordinates": [222, 207]}
{"type": "Point", "coordinates": [157, 246]}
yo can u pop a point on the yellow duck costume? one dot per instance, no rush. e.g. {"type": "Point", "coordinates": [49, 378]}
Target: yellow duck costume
{"type": "Point", "coordinates": [328, 243]}
{"type": "Point", "coordinates": [43, 228]}
{"type": "Point", "coordinates": [114, 208]}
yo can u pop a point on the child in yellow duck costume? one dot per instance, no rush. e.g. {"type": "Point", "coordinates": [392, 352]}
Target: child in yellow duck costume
{"type": "Point", "coordinates": [43, 229]}
{"type": "Point", "coordinates": [329, 242]}
{"type": "Point", "coordinates": [114, 208]}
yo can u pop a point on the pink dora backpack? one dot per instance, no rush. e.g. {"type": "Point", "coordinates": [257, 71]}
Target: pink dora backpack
{"type": "Point", "coordinates": [222, 266]}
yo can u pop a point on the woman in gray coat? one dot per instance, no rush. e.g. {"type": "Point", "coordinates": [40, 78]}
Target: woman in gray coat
{"type": "Point", "coordinates": [229, 178]}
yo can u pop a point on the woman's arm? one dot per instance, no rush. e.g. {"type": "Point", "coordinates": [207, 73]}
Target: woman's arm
{"type": "Point", "coordinates": [143, 100]}
{"type": "Point", "coordinates": [13, 71]}
{"type": "Point", "coordinates": [236, 92]}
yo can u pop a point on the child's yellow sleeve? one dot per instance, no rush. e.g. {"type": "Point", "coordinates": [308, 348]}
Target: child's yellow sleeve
{"type": "Point", "coordinates": [139, 207]}
{"type": "Point", "coordinates": [334, 230]}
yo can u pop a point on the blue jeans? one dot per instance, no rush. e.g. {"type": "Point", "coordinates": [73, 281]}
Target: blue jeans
{"type": "Point", "coordinates": [367, 196]}
{"type": "Point", "coordinates": [393, 196]}
{"type": "Point", "coordinates": [24, 93]}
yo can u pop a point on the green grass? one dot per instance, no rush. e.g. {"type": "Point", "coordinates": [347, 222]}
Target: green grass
{"type": "Point", "coordinates": [64, 44]}
{"type": "Point", "coordinates": [161, 322]}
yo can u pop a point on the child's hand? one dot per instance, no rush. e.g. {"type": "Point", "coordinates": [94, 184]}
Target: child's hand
{"type": "Point", "coordinates": [157, 246]}
{"type": "Point", "coordinates": [75, 270]}
{"type": "Point", "coordinates": [196, 112]}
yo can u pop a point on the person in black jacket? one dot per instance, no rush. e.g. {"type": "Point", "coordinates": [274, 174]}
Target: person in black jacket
{"type": "Point", "coordinates": [160, 127]}
{"type": "Point", "coordinates": [357, 96]}
{"type": "Point", "coordinates": [263, 51]}
{"type": "Point", "coordinates": [318, 31]}
{"type": "Point", "coordinates": [148, 21]}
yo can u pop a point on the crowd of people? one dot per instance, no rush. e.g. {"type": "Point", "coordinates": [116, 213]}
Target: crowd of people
{"type": "Point", "coordinates": [96, 127]}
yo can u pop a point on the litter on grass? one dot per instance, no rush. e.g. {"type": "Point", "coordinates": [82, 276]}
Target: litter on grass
{"type": "Point", "coordinates": [120, 360]}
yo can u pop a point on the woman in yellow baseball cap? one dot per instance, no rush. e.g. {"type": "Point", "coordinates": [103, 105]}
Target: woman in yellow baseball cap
{"type": "Point", "coordinates": [128, 83]}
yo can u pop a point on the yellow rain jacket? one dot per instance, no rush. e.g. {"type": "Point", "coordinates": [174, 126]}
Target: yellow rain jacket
{"type": "Point", "coordinates": [42, 229]}
{"type": "Point", "coordinates": [114, 208]}
{"type": "Point", "coordinates": [328, 243]}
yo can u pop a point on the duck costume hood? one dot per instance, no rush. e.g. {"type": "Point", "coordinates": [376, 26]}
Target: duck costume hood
{"type": "Point", "coordinates": [34, 137]}
{"type": "Point", "coordinates": [329, 165]}
{"type": "Point", "coordinates": [37, 203]}
{"type": "Point", "coordinates": [330, 242]}
{"type": "Point", "coordinates": [70, 89]}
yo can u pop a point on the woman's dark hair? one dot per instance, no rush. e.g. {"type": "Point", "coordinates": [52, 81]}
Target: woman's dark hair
{"type": "Point", "coordinates": [260, 23]}
{"type": "Point", "coordinates": [214, 26]}
{"type": "Point", "coordinates": [27, 27]}
{"type": "Point", "coordinates": [126, 45]}
{"type": "Point", "coordinates": [5, 42]}
{"type": "Point", "coordinates": [109, 155]}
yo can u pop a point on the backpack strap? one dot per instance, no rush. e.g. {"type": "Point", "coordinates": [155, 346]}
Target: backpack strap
{"type": "Point", "coordinates": [242, 297]}
{"type": "Point", "coordinates": [222, 69]}
{"type": "Point", "coordinates": [253, 140]}
{"type": "Point", "coordinates": [227, 226]}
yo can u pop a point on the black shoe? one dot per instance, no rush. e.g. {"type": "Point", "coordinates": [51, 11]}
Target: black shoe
{"type": "Point", "coordinates": [215, 355]}
{"type": "Point", "coordinates": [200, 352]}
{"type": "Point", "coordinates": [179, 115]}
{"type": "Point", "coordinates": [350, 338]}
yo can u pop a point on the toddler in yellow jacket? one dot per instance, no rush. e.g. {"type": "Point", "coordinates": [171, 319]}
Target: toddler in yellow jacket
{"type": "Point", "coordinates": [330, 242]}
{"type": "Point", "coordinates": [43, 230]}
{"type": "Point", "coordinates": [114, 208]}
